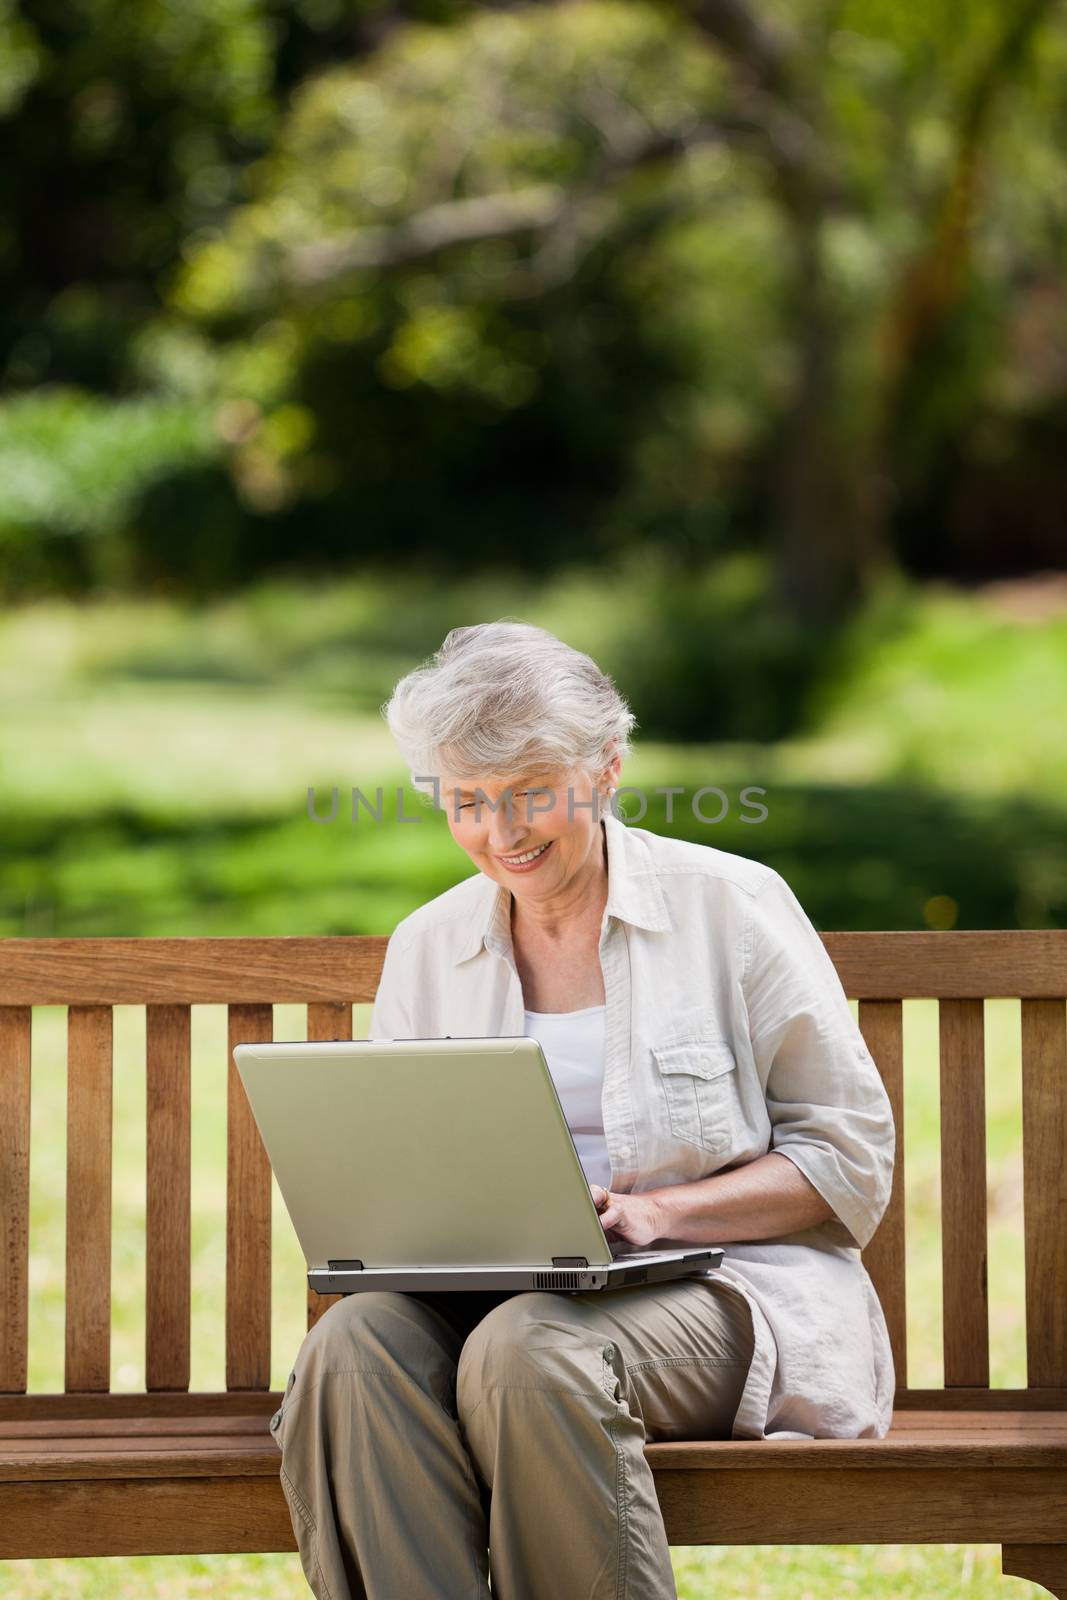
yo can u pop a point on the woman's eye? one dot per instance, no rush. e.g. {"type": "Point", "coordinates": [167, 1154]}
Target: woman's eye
{"type": "Point", "coordinates": [466, 805]}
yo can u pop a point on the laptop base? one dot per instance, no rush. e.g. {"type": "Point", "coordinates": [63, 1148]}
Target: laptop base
{"type": "Point", "coordinates": [653, 1267]}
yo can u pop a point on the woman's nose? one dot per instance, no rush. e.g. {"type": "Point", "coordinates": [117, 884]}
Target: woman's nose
{"type": "Point", "coordinates": [505, 841]}
{"type": "Point", "coordinates": [508, 833]}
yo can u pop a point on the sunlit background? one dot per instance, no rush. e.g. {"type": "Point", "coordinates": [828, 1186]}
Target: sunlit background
{"type": "Point", "coordinates": [727, 341]}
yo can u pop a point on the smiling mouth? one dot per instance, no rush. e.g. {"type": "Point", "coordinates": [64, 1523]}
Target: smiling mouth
{"type": "Point", "coordinates": [525, 857]}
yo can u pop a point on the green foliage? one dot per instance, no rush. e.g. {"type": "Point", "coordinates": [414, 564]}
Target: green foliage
{"type": "Point", "coordinates": [129, 136]}
{"type": "Point", "coordinates": [707, 649]}
{"type": "Point", "coordinates": [540, 97]}
{"type": "Point", "coordinates": [229, 207]}
{"type": "Point", "coordinates": [20, 57]}
{"type": "Point", "coordinates": [643, 354]}
{"type": "Point", "coordinates": [599, 386]}
{"type": "Point", "coordinates": [72, 470]}
{"type": "Point", "coordinates": [507, 389]}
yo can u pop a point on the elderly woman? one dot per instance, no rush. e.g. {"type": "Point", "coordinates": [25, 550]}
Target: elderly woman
{"type": "Point", "coordinates": [718, 1091]}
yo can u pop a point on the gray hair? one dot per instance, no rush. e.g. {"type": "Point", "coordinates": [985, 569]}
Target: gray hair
{"type": "Point", "coordinates": [502, 699]}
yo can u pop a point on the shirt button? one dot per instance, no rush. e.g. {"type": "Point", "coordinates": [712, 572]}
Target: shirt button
{"type": "Point", "coordinates": [625, 1152]}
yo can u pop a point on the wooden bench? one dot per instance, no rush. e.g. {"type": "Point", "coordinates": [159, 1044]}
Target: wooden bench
{"type": "Point", "coordinates": [88, 1472]}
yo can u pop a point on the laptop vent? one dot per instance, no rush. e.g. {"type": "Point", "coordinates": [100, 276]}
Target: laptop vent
{"type": "Point", "coordinates": [557, 1280]}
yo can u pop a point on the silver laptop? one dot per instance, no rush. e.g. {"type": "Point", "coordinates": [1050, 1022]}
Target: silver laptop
{"type": "Point", "coordinates": [428, 1164]}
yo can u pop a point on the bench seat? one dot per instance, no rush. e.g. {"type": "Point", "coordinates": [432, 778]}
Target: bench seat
{"type": "Point", "coordinates": [127, 1483]}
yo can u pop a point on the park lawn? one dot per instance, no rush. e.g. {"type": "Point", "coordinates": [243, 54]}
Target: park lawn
{"type": "Point", "coordinates": [156, 761]}
{"type": "Point", "coordinates": [754, 1572]}
{"type": "Point", "coordinates": [910, 689]}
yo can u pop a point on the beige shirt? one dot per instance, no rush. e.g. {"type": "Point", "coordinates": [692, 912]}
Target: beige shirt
{"type": "Point", "coordinates": [728, 1034]}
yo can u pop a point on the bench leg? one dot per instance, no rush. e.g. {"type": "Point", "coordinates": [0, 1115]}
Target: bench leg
{"type": "Point", "coordinates": [1045, 1564]}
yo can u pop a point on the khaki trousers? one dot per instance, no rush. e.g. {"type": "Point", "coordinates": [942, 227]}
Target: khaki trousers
{"type": "Point", "coordinates": [427, 1436]}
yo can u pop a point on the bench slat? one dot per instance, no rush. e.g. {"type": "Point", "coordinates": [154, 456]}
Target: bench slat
{"type": "Point", "coordinates": [88, 1266]}
{"type": "Point", "coordinates": [961, 964]}
{"type": "Point", "coordinates": [965, 1292]}
{"type": "Point", "coordinates": [62, 1408]}
{"type": "Point", "coordinates": [189, 971]}
{"type": "Point", "coordinates": [138, 1403]}
{"type": "Point", "coordinates": [191, 1423]}
{"type": "Point", "coordinates": [1044, 1057]}
{"type": "Point", "coordinates": [881, 1023]}
{"type": "Point", "coordinates": [167, 1197]}
{"type": "Point", "coordinates": [1021, 1440]}
{"type": "Point", "coordinates": [248, 1511]}
{"type": "Point", "coordinates": [326, 1020]}
{"type": "Point", "coordinates": [15, 1025]}
{"type": "Point", "coordinates": [985, 1426]}
{"type": "Point", "coordinates": [248, 1215]}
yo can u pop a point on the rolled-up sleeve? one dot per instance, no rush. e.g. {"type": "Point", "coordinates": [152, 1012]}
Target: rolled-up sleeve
{"type": "Point", "coordinates": [391, 1016]}
{"type": "Point", "coordinates": [829, 1110]}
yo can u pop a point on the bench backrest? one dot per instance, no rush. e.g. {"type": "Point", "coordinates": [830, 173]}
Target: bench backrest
{"type": "Point", "coordinates": [167, 976]}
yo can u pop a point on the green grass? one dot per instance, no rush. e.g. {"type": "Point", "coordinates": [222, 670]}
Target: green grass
{"type": "Point", "coordinates": [954, 695]}
{"type": "Point", "coordinates": [155, 762]}
{"type": "Point", "coordinates": [753, 1572]}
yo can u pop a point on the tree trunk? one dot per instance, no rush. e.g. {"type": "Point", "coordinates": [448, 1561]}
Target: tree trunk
{"type": "Point", "coordinates": [828, 502]}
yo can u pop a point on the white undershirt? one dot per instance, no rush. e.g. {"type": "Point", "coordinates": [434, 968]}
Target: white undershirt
{"type": "Point", "coordinates": [573, 1045]}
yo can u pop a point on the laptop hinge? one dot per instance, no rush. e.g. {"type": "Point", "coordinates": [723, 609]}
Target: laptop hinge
{"type": "Point", "coordinates": [346, 1266]}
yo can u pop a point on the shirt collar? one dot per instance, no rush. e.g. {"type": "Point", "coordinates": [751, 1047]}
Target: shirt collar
{"type": "Point", "coordinates": [634, 895]}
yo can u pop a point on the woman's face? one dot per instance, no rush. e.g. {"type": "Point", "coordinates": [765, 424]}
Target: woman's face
{"type": "Point", "coordinates": [553, 821]}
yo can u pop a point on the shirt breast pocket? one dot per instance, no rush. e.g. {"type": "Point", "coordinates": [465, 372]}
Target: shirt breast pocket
{"type": "Point", "coordinates": [699, 1078]}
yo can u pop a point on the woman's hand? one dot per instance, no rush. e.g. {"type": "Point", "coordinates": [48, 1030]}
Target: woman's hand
{"type": "Point", "coordinates": [633, 1217]}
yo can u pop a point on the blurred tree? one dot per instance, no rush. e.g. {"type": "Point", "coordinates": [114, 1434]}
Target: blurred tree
{"type": "Point", "coordinates": [436, 301]}
{"type": "Point", "coordinates": [832, 517]}
{"type": "Point", "coordinates": [126, 125]}
{"type": "Point", "coordinates": [472, 199]}
{"type": "Point", "coordinates": [510, 281]}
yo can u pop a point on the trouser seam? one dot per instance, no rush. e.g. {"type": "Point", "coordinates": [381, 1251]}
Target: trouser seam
{"type": "Point", "coordinates": [309, 1522]}
{"type": "Point", "coordinates": [534, 1388]}
{"type": "Point", "coordinates": [607, 1378]}
{"type": "Point", "coordinates": [690, 1361]}
{"type": "Point", "coordinates": [620, 1505]}
{"type": "Point", "coordinates": [305, 1514]}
